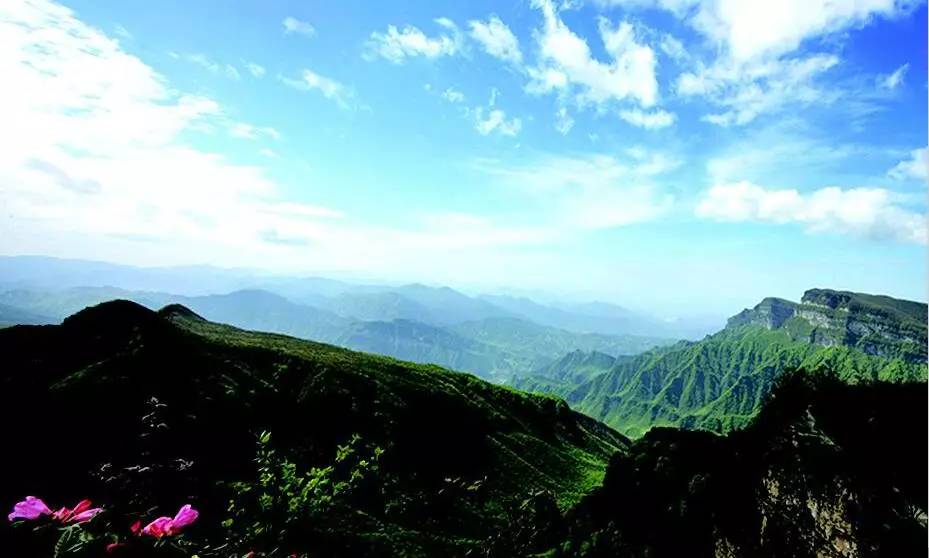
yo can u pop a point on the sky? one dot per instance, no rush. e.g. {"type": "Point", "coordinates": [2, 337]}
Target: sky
{"type": "Point", "coordinates": [684, 156]}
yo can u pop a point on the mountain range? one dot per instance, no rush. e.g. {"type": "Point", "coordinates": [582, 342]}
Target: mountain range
{"type": "Point", "coordinates": [719, 383]}
{"type": "Point", "coordinates": [288, 446]}
{"type": "Point", "coordinates": [432, 305]}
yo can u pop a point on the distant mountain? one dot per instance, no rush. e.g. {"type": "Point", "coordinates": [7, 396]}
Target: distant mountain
{"type": "Point", "coordinates": [537, 345]}
{"type": "Point", "coordinates": [494, 348]}
{"type": "Point", "coordinates": [601, 317]}
{"type": "Point", "coordinates": [718, 383]}
{"type": "Point", "coordinates": [424, 343]}
{"type": "Point", "coordinates": [380, 306]}
{"type": "Point", "coordinates": [11, 315]}
{"type": "Point", "coordinates": [169, 407]}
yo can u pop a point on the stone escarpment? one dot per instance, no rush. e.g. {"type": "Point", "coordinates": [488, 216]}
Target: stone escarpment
{"type": "Point", "coordinates": [876, 325]}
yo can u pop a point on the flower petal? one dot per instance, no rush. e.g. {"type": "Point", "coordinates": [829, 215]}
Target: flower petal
{"type": "Point", "coordinates": [185, 516]}
{"type": "Point", "coordinates": [30, 508]}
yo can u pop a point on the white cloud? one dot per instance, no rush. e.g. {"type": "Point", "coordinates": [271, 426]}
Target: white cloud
{"type": "Point", "coordinates": [256, 70]}
{"type": "Point", "coordinates": [211, 66]}
{"type": "Point", "coordinates": [753, 72]}
{"type": "Point", "coordinates": [862, 212]}
{"type": "Point", "coordinates": [748, 89]}
{"type": "Point", "coordinates": [648, 120]}
{"type": "Point", "coordinates": [490, 121]}
{"type": "Point", "coordinates": [267, 152]}
{"type": "Point", "coordinates": [894, 79]}
{"type": "Point", "coordinates": [567, 66]}
{"type": "Point", "coordinates": [497, 39]}
{"type": "Point", "coordinates": [452, 95]}
{"type": "Point", "coordinates": [396, 45]}
{"type": "Point", "coordinates": [242, 130]}
{"type": "Point", "coordinates": [97, 163]}
{"type": "Point", "coordinates": [331, 89]}
{"type": "Point", "coordinates": [123, 32]}
{"type": "Point", "coordinates": [293, 25]}
{"type": "Point", "coordinates": [673, 47]}
{"type": "Point", "coordinates": [563, 121]}
{"type": "Point", "coordinates": [753, 29]}
{"type": "Point", "coordinates": [916, 167]}
{"type": "Point", "coordinates": [592, 191]}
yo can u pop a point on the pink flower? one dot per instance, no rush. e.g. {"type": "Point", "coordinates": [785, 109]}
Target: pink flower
{"type": "Point", "coordinates": [82, 512]}
{"type": "Point", "coordinates": [166, 526]}
{"type": "Point", "coordinates": [30, 508]}
{"type": "Point", "coordinates": [113, 547]}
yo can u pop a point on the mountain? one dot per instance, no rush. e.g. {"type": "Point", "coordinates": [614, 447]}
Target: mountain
{"type": "Point", "coordinates": [155, 408]}
{"type": "Point", "coordinates": [718, 383]}
{"type": "Point", "coordinates": [825, 469]}
{"type": "Point", "coordinates": [877, 325]}
{"type": "Point", "coordinates": [601, 317]}
{"type": "Point", "coordinates": [289, 446]}
{"type": "Point", "coordinates": [380, 306]}
{"type": "Point", "coordinates": [423, 343]}
{"type": "Point", "coordinates": [11, 315]}
{"type": "Point", "coordinates": [572, 369]}
{"type": "Point", "coordinates": [494, 348]}
{"type": "Point", "coordinates": [531, 345]}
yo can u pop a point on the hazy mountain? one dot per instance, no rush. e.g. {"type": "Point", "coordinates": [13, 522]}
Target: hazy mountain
{"type": "Point", "coordinates": [11, 315]}
{"type": "Point", "coordinates": [495, 348]}
{"type": "Point", "coordinates": [601, 317]}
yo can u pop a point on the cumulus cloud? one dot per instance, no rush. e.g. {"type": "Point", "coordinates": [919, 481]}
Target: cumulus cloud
{"type": "Point", "coordinates": [755, 71]}
{"type": "Point", "coordinates": [331, 89]}
{"type": "Point", "coordinates": [864, 212]}
{"type": "Point", "coordinates": [397, 45]}
{"type": "Point", "coordinates": [567, 65]}
{"type": "Point", "coordinates": [295, 26]}
{"type": "Point", "coordinates": [496, 39]}
{"type": "Point", "coordinates": [894, 79]}
{"type": "Point", "coordinates": [452, 95]}
{"type": "Point", "coordinates": [916, 167]}
{"type": "Point", "coordinates": [495, 121]}
{"type": "Point", "coordinates": [648, 120]}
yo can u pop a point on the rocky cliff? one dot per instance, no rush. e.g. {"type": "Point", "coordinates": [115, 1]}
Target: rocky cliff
{"type": "Point", "coordinates": [876, 325]}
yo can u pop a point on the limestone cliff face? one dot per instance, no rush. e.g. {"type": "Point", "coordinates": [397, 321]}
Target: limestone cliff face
{"type": "Point", "coordinates": [877, 325]}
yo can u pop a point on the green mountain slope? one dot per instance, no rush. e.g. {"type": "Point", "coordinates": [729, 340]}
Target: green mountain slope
{"type": "Point", "coordinates": [826, 469]}
{"type": "Point", "coordinates": [572, 369]}
{"type": "Point", "coordinates": [214, 387]}
{"type": "Point", "coordinates": [537, 345]}
{"type": "Point", "coordinates": [719, 383]}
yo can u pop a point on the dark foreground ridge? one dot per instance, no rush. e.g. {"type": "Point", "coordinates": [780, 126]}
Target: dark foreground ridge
{"type": "Point", "coordinates": [826, 469]}
{"type": "Point", "coordinates": [146, 409]}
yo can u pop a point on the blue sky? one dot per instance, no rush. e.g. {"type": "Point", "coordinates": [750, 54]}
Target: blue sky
{"type": "Point", "coordinates": [675, 155]}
